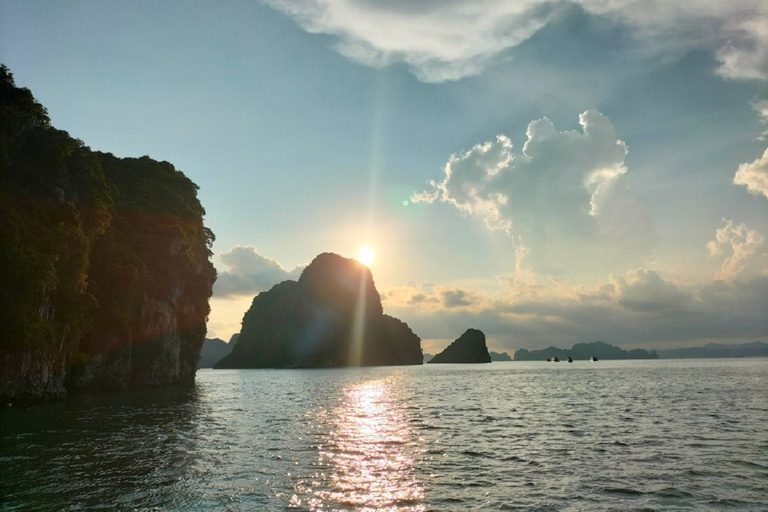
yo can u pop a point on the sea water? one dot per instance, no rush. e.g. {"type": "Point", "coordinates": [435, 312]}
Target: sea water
{"type": "Point", "coordinates": [608, 435]}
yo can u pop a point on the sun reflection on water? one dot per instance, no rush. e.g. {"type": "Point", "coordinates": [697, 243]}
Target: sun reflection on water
{"type": "Point", "coordinates": [369, 451]}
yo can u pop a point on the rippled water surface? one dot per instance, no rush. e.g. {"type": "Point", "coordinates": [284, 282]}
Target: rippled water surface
{"type": "Point", "coordinates": [614, 435]}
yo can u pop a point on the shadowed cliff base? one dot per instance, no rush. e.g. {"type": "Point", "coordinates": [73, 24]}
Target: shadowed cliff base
{"type": "Point", "coordinates": [331, 317]}
{"type": "Point", "coordinates": [104, 263]}
{"type": "Point", "coordinates": [470, 347]}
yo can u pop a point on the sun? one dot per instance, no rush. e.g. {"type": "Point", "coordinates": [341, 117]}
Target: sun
{"type": "Point", "coordinates": [365, 255]}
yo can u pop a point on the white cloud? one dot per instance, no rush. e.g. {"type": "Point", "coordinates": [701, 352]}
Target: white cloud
{"type": "Point", "coordinates": [762, 108]}
{"type": "Point", "coordinates": [745, 251]}
{"type": "Point", "coordinates": [754, 175]}
{"type": "Point", "coordinates": [247, 273]}
{"type": "Point", "coordinates": [452, 39]}
{"type": "Point", "coordinates": [639, 308]}
{"type": "Point", "coordinates": [438, 40]}
{"type": "Point", "coordinates": [565, 195]}
{"type": "Point", "coordinates": [745, 54]}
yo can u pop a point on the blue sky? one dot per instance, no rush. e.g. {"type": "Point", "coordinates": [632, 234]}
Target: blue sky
{"type": "Point", "coordinates": [546, 172]}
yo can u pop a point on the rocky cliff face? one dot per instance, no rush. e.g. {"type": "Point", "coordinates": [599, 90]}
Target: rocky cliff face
{"type": "Point", "coordinates": [104, 263]}
{"type": "Point", "coordinates": [331, 317]}
{"type": "Point", "coordinates": [469, 348]}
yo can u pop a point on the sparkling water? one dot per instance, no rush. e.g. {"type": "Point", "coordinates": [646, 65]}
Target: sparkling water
{"type": "Point", "coordinates": [608, 435]}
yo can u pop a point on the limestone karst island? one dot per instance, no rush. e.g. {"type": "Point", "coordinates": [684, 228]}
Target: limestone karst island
{"type": "Point", "coordinates": [331, 317]}
{"type": "Point", "coordinates": [104, 263]}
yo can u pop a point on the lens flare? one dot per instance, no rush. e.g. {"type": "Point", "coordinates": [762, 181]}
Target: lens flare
{"type": "Point", "coordinates": [365, 255]}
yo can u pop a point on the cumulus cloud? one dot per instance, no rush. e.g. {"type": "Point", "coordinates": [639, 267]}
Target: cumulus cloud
{"type": "Point", "coordinates": [449, 40]}
{"type": "Point", "coordinates": [246, 273]}
{"type": "Point", "coordinates": [564, 189]}
{"type": "Point", "coordinates": [745, 251]}
{"type": "Point", "coordinates": [754, 175]}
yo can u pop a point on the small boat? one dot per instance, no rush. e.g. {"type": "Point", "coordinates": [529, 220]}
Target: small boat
{"type": "Point", "coordinates": [593, 358]}
{"type": "Point", "coordinates": [553, 359]}
{"type": "Point", "coordinates": [569, 359]}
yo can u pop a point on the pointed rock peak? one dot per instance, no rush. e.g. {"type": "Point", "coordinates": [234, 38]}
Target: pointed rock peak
{"type": "Point", "coordinates": [338, 281]}
{"type": "Point", "coordinates": [470, 347]}
{"type": "Point", "coordinates": [331, 317]}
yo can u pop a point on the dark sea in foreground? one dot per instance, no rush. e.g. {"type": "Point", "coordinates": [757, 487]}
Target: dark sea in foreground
{"type": "Point", "coordinates": [611, 435]}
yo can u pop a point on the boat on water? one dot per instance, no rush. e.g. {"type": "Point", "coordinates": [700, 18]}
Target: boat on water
{"type": "Point", "coordinates": [593, 358]}
{"type": "Point", "coordinates": [569, 359]}
{"type": "Point", "coordinates": [553, 359]}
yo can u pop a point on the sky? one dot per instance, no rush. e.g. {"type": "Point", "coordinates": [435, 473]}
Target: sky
{"type": "Point", "coordinates": [547, 172]}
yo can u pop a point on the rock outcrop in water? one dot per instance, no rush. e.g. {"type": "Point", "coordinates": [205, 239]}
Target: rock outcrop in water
{"type": "Point", "coordinates": [469, 348]}
{"type": "Point", "coordinates": [331, 317]}
{"type": "Point", "coordinates": [104, 263]}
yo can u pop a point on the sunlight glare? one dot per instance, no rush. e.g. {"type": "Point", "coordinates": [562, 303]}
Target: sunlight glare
{"type": "Point", "coordinates": [365, 255]}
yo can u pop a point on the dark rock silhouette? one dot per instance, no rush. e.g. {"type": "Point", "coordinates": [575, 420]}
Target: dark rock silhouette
{"type": "Point", "coordinates": [214, 350]}
{"type": "Point", "coordinates": [583, 351]}
{"type": "Point", "coordinates": [104, 263]}
{"type": "Point", "coordinates": [331, 317]}
{"type": "Point", "coordinates": [469, 348]}
{"type": "Point", "coordinates": [499, 356]}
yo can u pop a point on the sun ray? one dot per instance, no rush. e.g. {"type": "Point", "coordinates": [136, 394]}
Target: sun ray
{"type": "Point", "coordinates": [366, 255]}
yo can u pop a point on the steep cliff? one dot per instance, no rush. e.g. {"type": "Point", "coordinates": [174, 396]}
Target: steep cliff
{"type": "Point", "coordinates": [104, 267]}
{"type": "Point", "coordinates": [331, 317]}
{"type": "Point", "coordinates": [470, 347]}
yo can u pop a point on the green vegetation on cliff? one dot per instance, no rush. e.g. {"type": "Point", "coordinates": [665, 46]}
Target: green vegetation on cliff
{"type": "Point", "coordinates": [102, 260]}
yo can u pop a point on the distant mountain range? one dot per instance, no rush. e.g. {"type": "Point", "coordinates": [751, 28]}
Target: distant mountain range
{"type": "Point", "coordinates": [753, 349]}
{"type": "Point", "coordinates": [584, 351]}
{"type": "Point", "coordinates": [214, 350]}
{"type": "Point", "coordinates": [499, 356]}
{"type": "Point", "coordinates": [606, 351]}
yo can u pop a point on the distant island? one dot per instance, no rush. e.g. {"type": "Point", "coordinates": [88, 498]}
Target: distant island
{"type": "Point", "coordinates": [105, 265]}
{"type": "Point", "coordinates": [584, 351]}
{"type": "Point", "coordinates": [331, 317]}
{"type": "Point", "coordinates": [470, 347]}
{"type": "Point", "coordinates": [214, 350]}
{"type": "Point", "coordinates": [499, 356]}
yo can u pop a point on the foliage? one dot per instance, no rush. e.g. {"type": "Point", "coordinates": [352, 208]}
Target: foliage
{"type": "Point", "coordinates": [87, 237]}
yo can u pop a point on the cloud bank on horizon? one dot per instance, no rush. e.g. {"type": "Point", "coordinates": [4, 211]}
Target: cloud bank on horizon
{"type": "Point", "coordinates": [449, 40]}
